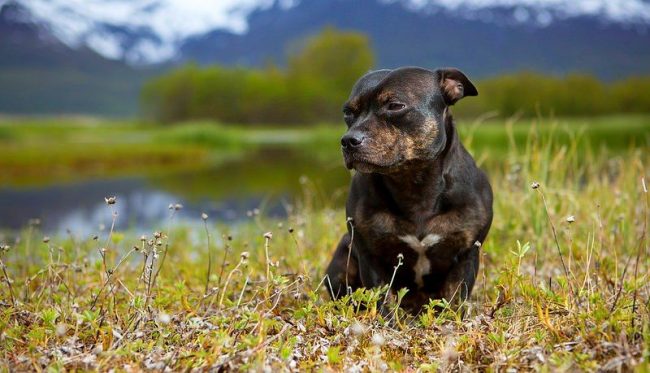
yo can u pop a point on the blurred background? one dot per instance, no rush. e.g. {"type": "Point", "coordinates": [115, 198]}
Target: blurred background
{"type": "Point", "coordinates": [234, 107]}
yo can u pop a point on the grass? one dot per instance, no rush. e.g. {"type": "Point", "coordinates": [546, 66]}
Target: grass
{"type": "Point", "coordinates": [42, 151]}
{"type": "Point", "coordinates": [563, 284]}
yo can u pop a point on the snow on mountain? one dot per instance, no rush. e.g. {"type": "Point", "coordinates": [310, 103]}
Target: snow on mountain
{"type": "Point", "coordinates": [622, 11]}
{"type": "Point", "coordinates": [139, 31]}
{"type": "Point", "coordinates": [152, 31]}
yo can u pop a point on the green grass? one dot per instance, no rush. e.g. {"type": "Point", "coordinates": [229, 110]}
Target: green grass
{"type": "Point", "coordinates": [71, 305]}
{"type": "Point", "coordinates": [41, 151]}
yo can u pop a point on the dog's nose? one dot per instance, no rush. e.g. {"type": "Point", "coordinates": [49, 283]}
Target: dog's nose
{"type": "Point", "coordinates": [352, 140]}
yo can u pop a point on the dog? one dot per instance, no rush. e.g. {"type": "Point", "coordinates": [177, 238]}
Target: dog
{"type": "Point", "coordinates": [417, 197]}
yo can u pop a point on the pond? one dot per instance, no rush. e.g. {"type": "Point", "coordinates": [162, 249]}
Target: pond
{"type": "Point", "coordinates": [267, 181]}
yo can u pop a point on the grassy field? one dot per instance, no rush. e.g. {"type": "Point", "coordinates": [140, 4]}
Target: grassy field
{"type": "Point", "coordinates": [41, 151]}
{"type": "Point", "coordinates": [563, 284]}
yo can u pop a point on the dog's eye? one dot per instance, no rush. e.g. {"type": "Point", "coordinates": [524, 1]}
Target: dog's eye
{"type": "Point", "coordinates": [348, 113]}
{"type": "Point", "coordinates": [395, 106]}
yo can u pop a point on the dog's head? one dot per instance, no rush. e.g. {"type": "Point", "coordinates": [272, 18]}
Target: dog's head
{"type": "Point", "coordinates": [396, 116]}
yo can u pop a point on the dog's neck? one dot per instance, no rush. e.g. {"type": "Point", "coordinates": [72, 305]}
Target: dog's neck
{"type": "Point", "coordinates": [419, 186]}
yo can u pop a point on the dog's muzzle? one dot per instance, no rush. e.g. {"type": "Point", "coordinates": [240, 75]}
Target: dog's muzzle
{"type": "Point", "coordinates": [351, 141]}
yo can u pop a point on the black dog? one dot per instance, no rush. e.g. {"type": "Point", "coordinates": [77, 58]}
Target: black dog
{"type": "Point", "coordinates": [417, 191]}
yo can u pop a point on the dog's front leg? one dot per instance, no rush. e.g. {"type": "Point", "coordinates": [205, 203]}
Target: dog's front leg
{"type": "Point", "coordinates": [461, 277]}
{"type": "Point", "coordinates": [459, 230]}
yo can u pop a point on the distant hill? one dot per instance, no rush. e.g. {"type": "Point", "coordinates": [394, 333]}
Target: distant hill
{"type": "Point", "coordinates": [39, 74]}
{"type": "Point", "coordinates": [58, 59]}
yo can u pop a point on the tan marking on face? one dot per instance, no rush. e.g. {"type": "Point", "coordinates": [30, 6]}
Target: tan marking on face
{"type": "Point", "coordinates": [422, 266]}
{"type": "Point", "coordinates": [354, 104]}
{"type": "Point", "coordinates": [383, 144]}
{"type": "Point", "coordinates": [384, 96]}
{"type": "Point", "coordinates": [415, 147]}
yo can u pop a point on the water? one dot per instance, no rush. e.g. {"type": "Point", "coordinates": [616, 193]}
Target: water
{"type": "Point", "coordinates": [267, 180]}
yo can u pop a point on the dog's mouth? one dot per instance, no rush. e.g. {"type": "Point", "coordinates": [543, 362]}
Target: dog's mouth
{"type": "Point", "coordinates": [363, 163]}
{"type": "Point", "coordinates": [355, 161]}
{"type": "Point", "coordinates": [362, 166]}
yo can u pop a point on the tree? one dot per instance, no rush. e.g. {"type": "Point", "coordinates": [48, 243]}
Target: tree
{"type": "Point", "coordinates": [312, 88]}
{"type": "Point", "coordinates": [321, 73]}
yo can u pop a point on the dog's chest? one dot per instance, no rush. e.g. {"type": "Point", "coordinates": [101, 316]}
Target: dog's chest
{"type": "Point", "coordinates": [421, 248]}
{"type": "Point", "coordinates": [387, 236]}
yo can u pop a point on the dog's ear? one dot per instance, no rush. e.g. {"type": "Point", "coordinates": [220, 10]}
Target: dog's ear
{"type": "Point", "coordinates": [454, 85]}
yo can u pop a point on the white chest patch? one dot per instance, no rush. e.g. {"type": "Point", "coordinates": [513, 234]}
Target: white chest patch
{"type": "Point", "coordinates": [422, 265]}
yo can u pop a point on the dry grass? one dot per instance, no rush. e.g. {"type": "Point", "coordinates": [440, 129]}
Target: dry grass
{"type": "Point", "coordinates": [563, 286]}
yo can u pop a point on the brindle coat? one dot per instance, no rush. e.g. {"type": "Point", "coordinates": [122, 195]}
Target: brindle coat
{"type": "Point", "coordinates": [416, 192]}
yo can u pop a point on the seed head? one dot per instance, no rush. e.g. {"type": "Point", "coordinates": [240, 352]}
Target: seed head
{"type": "Point", "coordinates": [164, 318]}
{"type": "Point", "coordinates": [178, 206]}
{"type": "Point", "coordinates": [204, 216]}
{"type": "Point", "coordinates": [357, 328]}
{"type": "Point", "coordinates": [157, 234]}
{"type": "Point", "coordinates": [110, 200]}
{"type": "Point", "coordinates": [268, 235]}
{"type": "Point", "coordinates": [46, 239]}
{"type": "Point", "coordinates": [570, 219]}
{"type": "Point", "coordinates": [290, 229]}
{"type": "Point", "coordinates": [61, 329]}
{"type": "Point", "coordinates": [400, 257]}
{"type": "Point", "coordinates": [378, 339]}
{"type": "Point", "coordinates": [534, 185]}
{"type": "Point", "coordinates": [143, 238]}
{"type": "Point", "coordinates": [244, 255]}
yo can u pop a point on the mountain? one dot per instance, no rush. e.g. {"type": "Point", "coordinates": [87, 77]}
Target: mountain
{"type": "Point", "coordinates": [92, 56]}
{"type": "Point", "coordinates": [41, 74]}
{"type": "Point", "coordinates": [495, 41]}
{"type": "Point", "coordinates": [137, 31]}
{"type": "Point", "coordinates": [154, 31]}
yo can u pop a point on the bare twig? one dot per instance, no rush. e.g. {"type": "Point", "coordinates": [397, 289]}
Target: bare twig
{"type": "Point", "coordinates": [204, 216]}
{"type": "Point", "coordinates": [109, 275]}
{"type": "Point", "coordinates": [347, 264]}
{"type": "Point", "coordinates": [400, 257]}
{"type": "Point", "coordinates": [8, 280]}
{"type": "Point", "coordinates": [164, 255]}
{"type": "Point", "coordinates": [639, 250]}
{"type": "Point", "coordinates": [557, 242]}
